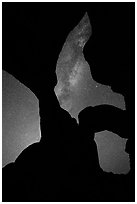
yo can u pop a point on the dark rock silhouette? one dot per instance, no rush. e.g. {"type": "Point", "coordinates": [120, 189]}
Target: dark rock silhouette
{"type": "Point", "coordinates": [64, 165]}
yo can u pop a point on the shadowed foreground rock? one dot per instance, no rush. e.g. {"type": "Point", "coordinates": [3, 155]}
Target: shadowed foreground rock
{"type": "Point", "coordinates": [64, 165]}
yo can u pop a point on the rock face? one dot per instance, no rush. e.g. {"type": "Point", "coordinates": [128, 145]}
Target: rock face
{"type": "Point", "coordinates": [76, 88]}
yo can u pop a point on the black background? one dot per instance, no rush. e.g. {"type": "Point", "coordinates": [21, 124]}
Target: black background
{"type": "Point", "coordinates": [33, 35]}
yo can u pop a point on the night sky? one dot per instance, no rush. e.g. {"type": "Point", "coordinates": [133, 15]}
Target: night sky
{"type": "Point", "coordinates": [20, 117]}
{"type": "Point", "coordinates": [33, 37]}
{"type": "Point", "coordinates": [21, 128]}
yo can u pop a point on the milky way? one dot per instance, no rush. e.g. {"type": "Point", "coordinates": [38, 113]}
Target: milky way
{"type": "Point", "coordinates": [76, 89]}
